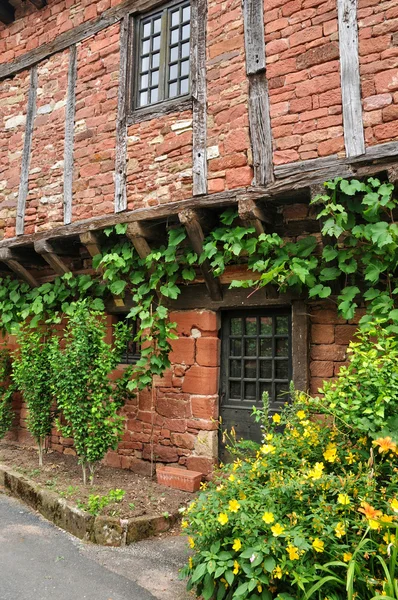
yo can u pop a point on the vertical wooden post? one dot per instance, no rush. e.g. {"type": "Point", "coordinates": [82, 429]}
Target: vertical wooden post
{"type": "Point", "coordinates": [24, 180]}
{"type": "Point", "coordinates": [69, 134]}
{"type": "Point", "coordinates": [259, 113]}
{"type": "Point", "coordinates": [350, 79]}
{"type": "Point", "coordinates": [199, 96]}
{"type": "Point", "coordinates": [121, 123]}
{"type": "Point", "coordinates": [300, 345]}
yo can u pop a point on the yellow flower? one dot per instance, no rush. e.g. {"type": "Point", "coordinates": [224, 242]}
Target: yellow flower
{"type": "Point", "coordinates": [190, 562]}
{"type": "Point", "coordinates": [242, 496]}
{"type": "Point", "coordinates": [385, 444]}
{"type": "Point", "coordinates": [259, 588]}
{"type": "Point", "coordinates": [269, 437]}
{"type": "Point", "coordinates": [350, 458]}
{"type": "Point", "coordinates": [219, 488]}
{"type": "Point", "coordinates": [389, 538]}
{"type": "Point", "coordinates": [301, 414]}
{"type": "Point", "coordinates": [222, 518]}
{"type": "Point", "coordinates": [203, 485]}
{"type": "Point", "coordinates": [184, 524]}
{"type": "Point", "coordinates": [191, 542]}
{"type": "Point", "coordinates": [236, 568]}
{"type": "Point", "coordinates": [317, 471]}
{"type": "Point", "coordinates": [340, 530]}
{"type": "Point", "coordinates": [343, 499]}
{"type": "Point", "coordinates": [330, 453]}
{"type": "Point", "coordinates": [277, 573]}
{"type": "Point", "coordinates": [277, 529]}
{"type": "Point", "coordinates": [347, 556]}
{"type": "Point", "coordinates": [237, 545]}
{"type": "Point", "coordinates": [268, 517]}
{"type": "Point", "coordinates": [318, 545]}
{"type": "Point", "coordinates": [234, 506]}
{"type": "Point", "coordinates": [237, 464]}
{"type": "Point", "coordinates": [370, 512]}
{"type": "Point", "coordinates": [276, 418]}
{"type": "Point", "coordinates": [267, 449]}
{"type": "Point", "coordinates": [231, 478]}
{"type": "Point", "coordinates": [373, 524]}
{"type": "Point", "coordinates": [292, 552]}
{"type": "Point", "coordinates": [394, 505]}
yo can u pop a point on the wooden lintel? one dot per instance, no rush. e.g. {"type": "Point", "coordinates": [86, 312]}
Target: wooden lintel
{"type": "Point", "coordinates": [8, 257]}
{"type": "Point", "coordinates": [136, 235]}
{"type": "Point", "coordinates": [254, 215]}
{"type": "Point", "coordinates": [39, 3]}
{"type": "Point", "coordinates": [7, 12]}
{"type": "Point", "coordinates": [45, 249]}
{"type": "Point", "coordinates": [90, 240]}
{"type": "Point", "coordinates": [194, 230]}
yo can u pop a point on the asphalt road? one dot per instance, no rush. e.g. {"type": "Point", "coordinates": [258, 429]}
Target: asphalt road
{"type": "Point", "coordinates": [38, 561]}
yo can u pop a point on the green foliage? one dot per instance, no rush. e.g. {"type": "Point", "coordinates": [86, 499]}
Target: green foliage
{"type": "Point", "coordinates": [31, 372]}
{"type": "Point", "coordinates": [85, 394]}
{"type": "Point", "coordinates": [6, 392]}
{"type": "Point", "coordinates": [95, 503]}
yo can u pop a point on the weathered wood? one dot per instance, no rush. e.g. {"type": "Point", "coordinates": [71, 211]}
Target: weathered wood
{"type": "Point", "coordinates": [77, 34]}
{"type": "Point", "coordinates": [191, 222]}
{"type": "Point", "coordinates": [7, 12]}
{"type": "Point", "coordinates": [69, 134]}
{"type": "Point", "coordinates": [350, 78]}
{"type": "Point", "coordinates": [39, 3]}
{"type": "Point", "coordinates": [121, 122]}
{"type": "Point", "coordinates": [300, 345]}
{"type": "Point", "coordinates": [91, 242]}
{"type": "Point", "coordinates": [175, 105]}
{"type": "Point", "coordinates": [199, 96]}
{"type": "Point", "coordinates": [137, 237]}
{"type": "Point", "coordinates": [45, 250]}
{"type": "Point", "coordinates": [260, 129]}
{"type": "Point", "coordinates": [253, 215]}
{"type": "Point", "coordinates": [24, 178]}
{"type": "Point", "coordinates": [253, 19]}
{"type": "Point", "coordinates": [12, 261]}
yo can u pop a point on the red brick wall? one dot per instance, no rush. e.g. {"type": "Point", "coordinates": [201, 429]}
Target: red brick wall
{"type": "Point", "coordinates": [378, 49]}
{"type": "Point", "coordinates": [304, 80]}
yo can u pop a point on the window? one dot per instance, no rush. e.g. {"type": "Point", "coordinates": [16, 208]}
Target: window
{"type": "Point", "coordinates": [163, 55]}
{"type": "Point", "coordinates": [132, 351]}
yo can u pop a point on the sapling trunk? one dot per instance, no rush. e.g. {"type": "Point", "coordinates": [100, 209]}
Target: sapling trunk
{"type": "Point", "coordinates": [40, 452]}
{"type": "Point", "coordinates": [84, 472]}
{"type": "Point", "coordinates": [91, 467]}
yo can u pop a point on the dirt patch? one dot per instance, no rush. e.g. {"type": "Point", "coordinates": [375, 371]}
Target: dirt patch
{"type": "Point", "coordinates": [62, 474]}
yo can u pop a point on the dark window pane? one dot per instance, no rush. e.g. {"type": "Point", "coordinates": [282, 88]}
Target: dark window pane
{"type": "Point", "coordinates": [185, 32]}
{"type": "Point", "coordinates": [266, 347]}
{"type": "Point", "coordinates": [235, 368]}
{"type": "Point", "coordinates": [184, 86]}
{"type": "Point", "coordinates": [173, 72]}
{"type": "Point", "coordinates": [155, 60]}
{"type": "Point", "coordinates": [266, 325]}
{"type": "Point", "coordinates": [251, 369]}
{"type": "Point", "coordinates": [236, 326]}
{"type": "Point", "coordinates": [281, 392]}
{"type": "Point", "coordinates": [236, 347]}
{"type": "Point", "coordinates": [186, 13]}
{"type": "Point", "coordinates": [282, 324]}
{"type": "Point", "coordinates": [266, 387]}
{"type": "Point", "coordinates": [281, 369]}
{"type": "Point", "coordinates": [266, 369]}
{"type": "Point", "coordinates": [250, 391]}
{"type": "Point", "coordinates": [251, 347]}
{"type": "Point", "coordinates": [234, 389]}
{"type": "Point", "coordinates": [251, 325]}
{"type": "Point", "coordinates": [173, 90]}
{"type": "Point", "coordinates": [282, 347]}
{"type": "Point", "coordinates": [185, 50]}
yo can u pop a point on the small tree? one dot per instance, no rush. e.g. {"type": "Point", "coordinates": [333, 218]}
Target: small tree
{"type": "Point", "coordinates": [85, 394]}
{"type": "Point", "coordinates": [31, 373]}
{"type": "Point", "coordinates": [6, 392]}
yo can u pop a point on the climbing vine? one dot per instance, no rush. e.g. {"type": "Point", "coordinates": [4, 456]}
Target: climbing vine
{"type": "Point", "coordinates": [6, 391]}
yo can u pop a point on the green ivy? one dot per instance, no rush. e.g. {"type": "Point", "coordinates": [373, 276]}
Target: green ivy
{"type": "Point", "coordinates": [6, 392]}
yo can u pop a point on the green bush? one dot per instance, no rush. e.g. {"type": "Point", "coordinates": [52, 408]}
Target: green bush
{"type": "Point", "coordinates": [6, 392]}
{"type": "Point", "coordinates": [313, 509]}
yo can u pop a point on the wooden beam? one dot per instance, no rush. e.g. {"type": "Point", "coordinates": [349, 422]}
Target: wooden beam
{"type": "Point", "coordinates": [137, 237]}
{"type": "Point", "coordinates": [121, 121]}
{"type": "Point", "coordinates": [191, 222]}
{"type": "Point", "coordinates": [199, 96]}
{"type": "Point", "coordinates": [350, 78]}
{"type": "Point", "coordinates": [12, 261]}
{"type": "Point", "coordinates": [7, 12]}
{"type": "Point", "coordinates": [45, 249]}
{"type": "Point", "coordinates": [90, 241]}
{"type": "Point", "coordinates": [253, 19]}
{"type": "Point", "coordinates": [24, 178]}
{"type": "Point", "coordinates": [39, 3]}
{"type": "Point", "coordinates": [253, 215]}
{"type": "Point", "coordinates": [69, 134]}
{"type": "Point", "coordinates": [300, 345]}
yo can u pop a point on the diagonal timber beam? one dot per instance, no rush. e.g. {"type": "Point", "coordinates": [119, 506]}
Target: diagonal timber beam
{"type": "Point", "coordinates": [253, 215]}
{"type": "Point", "coordinates": [191, 221]}
{"type": "Point", "coordinates": [137, 235]}
{"type": "Point", "coordinates": [8, 257]}
{"type": "Point", "coordinates": [45, 250]}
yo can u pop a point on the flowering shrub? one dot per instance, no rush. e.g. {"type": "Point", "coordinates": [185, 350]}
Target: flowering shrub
{"type": "Point", "coordinates": [311, 514]}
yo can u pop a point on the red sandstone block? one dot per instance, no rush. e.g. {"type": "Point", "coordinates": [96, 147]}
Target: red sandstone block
{"type": "Point", "coordinates": [208, 351]}
{"type": "Point", "coordinates": [390, 113]}
{"type": "Point", "coordinates": [179, 479]}
{"type": "Point", "coordinates": [203, 465]}
{"type": "Point", "coordinates": [321, 368]}
{"type": "Point", "coordinates": [331, 146]}
{"type": "Point", "coordinates": [201, 380]}
{"type": "Point", "coordinates": [240, 177]}
{"type": "Point", "coordinates": [204, 320]}
{"type": "Point", "coordinates": [387, 81]}
{"type": "Point", "coordinates": [344, 333]}
{"type": "Point", "coordinates": [173, 406]}
{"type": "Point", "coordinates": [322, 334]}
{"type": "Point", "coordinates": [204, 407]}
{"type": "Point", "coordinates": [183, 440]}
{"type": "Point", "coordinates": [183, 351]}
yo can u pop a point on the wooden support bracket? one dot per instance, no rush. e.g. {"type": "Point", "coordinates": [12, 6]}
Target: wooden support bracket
{"type": "Point", "coordinates": [45, 249]}
{"type": "Point", "coordinates": [8, 257]}
{"type": "Point", "coordinates": [191, 222]}
{"type": "Point", "coordinates": [254, 215]}
{"type": "Point", "coordinates": [7, 12]}
{"type": "Point", "coordinates": [39, 3]}
{"type": "Point", "coordinates": [136, 234]}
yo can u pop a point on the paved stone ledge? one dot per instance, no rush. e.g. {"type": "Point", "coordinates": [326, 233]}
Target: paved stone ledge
{"type": "Point", "coordinates": [102, 530]}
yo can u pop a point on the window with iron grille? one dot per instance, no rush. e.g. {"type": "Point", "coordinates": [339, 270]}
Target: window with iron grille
{"type": "Point", "coordinates": [163, 47]}
{"type": "Point", "coordinates": [132, 352]}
